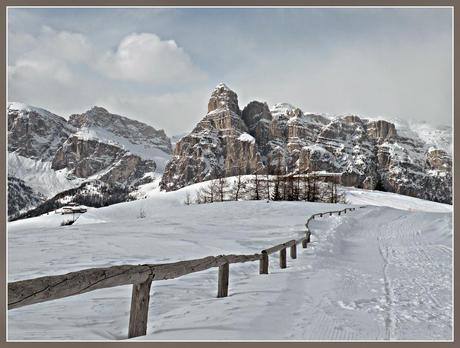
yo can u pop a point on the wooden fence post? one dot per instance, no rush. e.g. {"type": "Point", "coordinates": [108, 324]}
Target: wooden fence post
{"type": "Point", "coordinates": [308, 236]}
{"type": "Point", "coordinates": [222, 283]}
{"type": "Point", "coordinates": [283, 258]}
{"type": "Point", "coordinates": [263, 263]}
{"type": "Point", "coordinates": [304, 243]}
{"type": "Point", "coordinates": [339, 212]}
{"type": "Point", "coordinates": [330, 214]}
{"type": "Point", "coordinates": [321, 215]}
{"type": "Point", "coordinates": [139, 309]}
{"type": "Point", "coordinates": [294, 251]}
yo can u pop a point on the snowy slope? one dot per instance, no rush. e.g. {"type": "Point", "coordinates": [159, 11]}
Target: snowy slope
{"type": "Point", "coordinates": [39, 176]}
{"type": "Point", "coordinates": [387, 199]}
{"type": "Point", "coordinates": [376, 273]}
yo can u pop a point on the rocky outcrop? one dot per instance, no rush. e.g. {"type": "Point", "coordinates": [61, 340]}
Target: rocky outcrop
{"type": "Point", "coordinates": [128, 170]}
{"type": "Point", "coordinates": [365, 153]}
{"type": "Point", "coordinates": [439, 160]}
{"type": "Point", "coordinates": [85, 157]}
{"type": "Point", "coordinates": [381, 130]}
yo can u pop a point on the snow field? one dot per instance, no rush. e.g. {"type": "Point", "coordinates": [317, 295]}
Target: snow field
{"type": "Point", "coordinates": [373, 274]}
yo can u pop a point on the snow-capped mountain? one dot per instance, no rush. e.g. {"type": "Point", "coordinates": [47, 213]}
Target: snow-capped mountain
{"type": "Point", "coordinates": [414, 161]}
{"type": "Point", "coordinates": [35, 133]}
{"type": "Point", "coordinates": [48, 155]}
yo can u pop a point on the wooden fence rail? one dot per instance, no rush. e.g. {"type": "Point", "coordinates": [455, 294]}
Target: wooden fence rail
{"type": "Point", "coordinates": [26, 292]}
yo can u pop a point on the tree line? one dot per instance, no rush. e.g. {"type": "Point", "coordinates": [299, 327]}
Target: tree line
{"type": "Point", "coordinates": [310, 187]}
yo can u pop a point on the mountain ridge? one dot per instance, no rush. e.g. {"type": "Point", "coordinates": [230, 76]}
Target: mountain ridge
{"type": "Point", "coordinates": [368, 153]}
{"type": "Point", "coordinates": [46, 150]}
{"type": "Point", "coordinates": [49, 154]}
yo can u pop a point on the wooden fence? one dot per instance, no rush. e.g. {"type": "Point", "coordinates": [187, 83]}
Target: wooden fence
{"type": "Point", "coordinates": [26, 292]}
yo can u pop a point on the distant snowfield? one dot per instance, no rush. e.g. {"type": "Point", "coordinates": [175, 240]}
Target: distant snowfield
{"type": "Point", "coordinates": [373, 274]}
{"type": "Point", "coordinates": [39, 175]}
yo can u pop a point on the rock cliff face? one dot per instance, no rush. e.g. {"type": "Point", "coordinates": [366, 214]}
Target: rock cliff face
{"type": "Point", "coordinates": [367, 153]}
{"type": "Point", "coordinates": [95, 145]}
{"type": "Point", "coordinates": [218, 145]}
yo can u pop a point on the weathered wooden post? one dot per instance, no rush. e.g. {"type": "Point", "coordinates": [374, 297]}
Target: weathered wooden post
{"type": "Point", "coordinates": [308, 236]}
{"type": "Point", "coordinates": [139, 309]}
{"type": "Point", "coordinates": [222, 283]}
{"type": "Point", "coordinates": [339, 212]}
{"type": "Point", "coordinates": [283, 258]}
{"type": "Point", "coordinates": [263, 263]}
{"type": "Point", "coordinates": [330, 214]}
{"type": "Point", "coordinates": [304, 243]}
{"type": "Point", "coordinates": [294, 251]}
{"type": "Point", "coordinates": [321, 215]}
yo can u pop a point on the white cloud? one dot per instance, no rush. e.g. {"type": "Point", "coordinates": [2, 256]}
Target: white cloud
{"type": "Point", "coordinates": [49, 43]}
{"type": "Point", "coordinates": [29, 69]}
{"type": "Point", "coordinates": [146, 58]}
{"type": "Point", "coordinates": [72, 47]}
{"type": "Point", "coordinates": [46, 57]}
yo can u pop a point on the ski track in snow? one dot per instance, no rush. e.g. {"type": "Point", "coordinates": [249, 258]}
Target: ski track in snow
{"type": "Point", "coordinates": [373, 274]}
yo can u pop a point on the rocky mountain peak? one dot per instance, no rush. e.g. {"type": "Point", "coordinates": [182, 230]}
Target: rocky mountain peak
{"type": "Point", "coordinates": [34, 132]}
{"type": "Point", "coordinates": [223, 98]}
{"type": "Point", "coordinates": [97, 110]}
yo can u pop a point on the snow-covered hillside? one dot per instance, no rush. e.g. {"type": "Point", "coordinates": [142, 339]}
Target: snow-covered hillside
{"type": "Point", "coordinates": [376, 273]}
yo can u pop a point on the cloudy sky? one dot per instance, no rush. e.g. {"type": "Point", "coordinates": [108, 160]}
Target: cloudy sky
{"type": "Point", "coordinates": [160, 65]}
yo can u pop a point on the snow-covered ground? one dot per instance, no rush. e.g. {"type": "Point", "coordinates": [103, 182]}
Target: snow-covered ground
{"type": "Point", "coordinates": [376, 273]}
{"type": "Point", "coordinates": [388, 199]}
